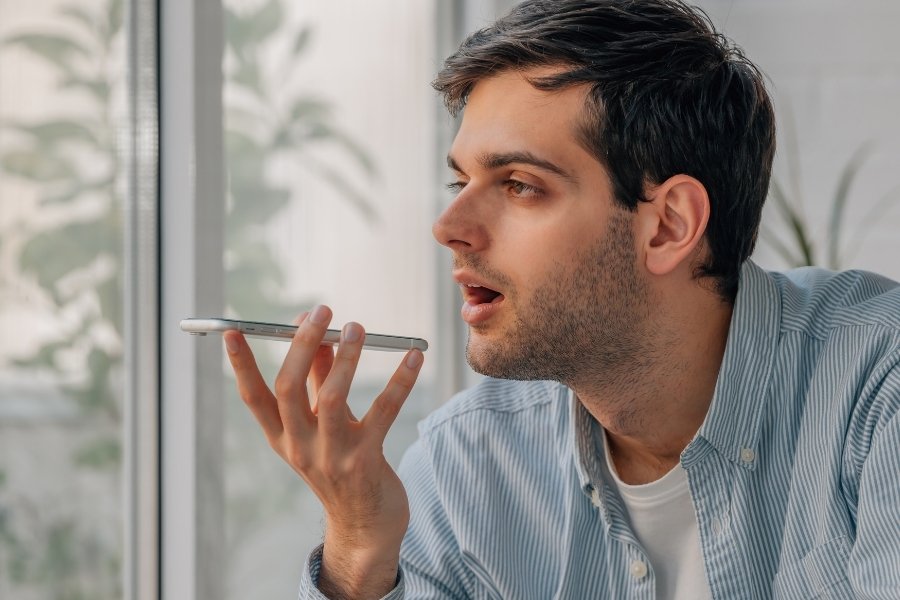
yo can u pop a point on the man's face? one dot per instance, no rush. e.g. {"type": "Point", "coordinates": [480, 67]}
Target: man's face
{"type": "Point", "coordinates": [545, 260]}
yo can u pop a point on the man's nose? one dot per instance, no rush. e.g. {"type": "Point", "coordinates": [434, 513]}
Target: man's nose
{"type": "Point", "coordinates": [460, 227]}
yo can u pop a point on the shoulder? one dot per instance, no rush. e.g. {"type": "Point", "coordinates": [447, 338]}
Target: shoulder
{"type": "Point", "coordinates": [493, 400]}
{"type": "Point", "coordinates": [818, 302]}
{"type": "Point", "coordinates": [496, 428]}
{"type": "Point", "coordinates": [854, 316]}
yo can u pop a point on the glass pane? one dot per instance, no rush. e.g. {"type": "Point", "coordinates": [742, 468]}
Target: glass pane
{"type": "Point", "coordinates": [331, 195]}
{"type": "Point", "coordinates": [62, 104]}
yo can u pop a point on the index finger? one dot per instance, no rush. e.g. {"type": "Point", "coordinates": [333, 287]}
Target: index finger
{"type": "Point", "coordinates": [251, 385]}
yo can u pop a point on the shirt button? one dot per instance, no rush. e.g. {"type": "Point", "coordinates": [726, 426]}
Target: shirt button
{"type": "Point", "coordinates": [638, 569]}
{"type": "Point", "coordinates": [748, 455]}
{"type": "Point", "coordinates": [595, 497]}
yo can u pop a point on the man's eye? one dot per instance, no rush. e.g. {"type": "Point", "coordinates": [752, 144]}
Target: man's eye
{"type": "Point", "coordinates": [520, 188]}
{"type": "Point", "coordinates": [456, 186]}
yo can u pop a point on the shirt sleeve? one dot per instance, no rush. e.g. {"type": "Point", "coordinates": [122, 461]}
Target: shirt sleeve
{"type": "Point", "coordinates": [431, 565]}
{"type": "Point", "coordinates": [309, 581]}
{"type": "Point", "coordinates": [875, 555]}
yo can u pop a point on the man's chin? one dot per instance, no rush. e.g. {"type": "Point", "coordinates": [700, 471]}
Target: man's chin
{"type": "Point", "coordinates": [496, 360]}
{"type": "Point", "coordinates": [482, 355]}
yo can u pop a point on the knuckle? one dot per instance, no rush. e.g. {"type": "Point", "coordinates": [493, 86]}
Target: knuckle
{"type": "Point", "coordinates": [248, 398]}
{"type": "Point", "coordinates": [404, 384]}
{"type": "Point", "coordinates": [297, 458]}
{"type": "Point", "coordinates": [284, 387]}
{"type": "Point", "coordinates": [329, 398]}
{"type": "Point", "coordinates": [386, 407]}
{"type": "Point", "coordinates": [347, 354]}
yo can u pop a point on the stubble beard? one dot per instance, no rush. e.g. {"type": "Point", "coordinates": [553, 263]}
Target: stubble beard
{"type": "Point", "coordinates": [587, 327]}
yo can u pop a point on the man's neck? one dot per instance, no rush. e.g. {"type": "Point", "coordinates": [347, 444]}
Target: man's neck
{"type": "Point", "coordinates": [651, 414]}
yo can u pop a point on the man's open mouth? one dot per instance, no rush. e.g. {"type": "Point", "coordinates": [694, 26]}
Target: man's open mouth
{"type": "Point", "coordinates": [478, 294]}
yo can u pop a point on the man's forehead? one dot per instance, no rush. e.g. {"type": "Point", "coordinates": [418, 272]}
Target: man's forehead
{"type": "Point", "coordinates": [507, 115]}
{"type": "Point", "coordinates": [522, 83]}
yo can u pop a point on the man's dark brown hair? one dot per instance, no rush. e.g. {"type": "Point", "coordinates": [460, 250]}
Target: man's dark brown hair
{"type": "Point", "coordinates": [668, 95]}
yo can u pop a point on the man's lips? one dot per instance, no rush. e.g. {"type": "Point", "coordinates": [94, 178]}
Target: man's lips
{"type": "Point", "coordinates": [480, 300]}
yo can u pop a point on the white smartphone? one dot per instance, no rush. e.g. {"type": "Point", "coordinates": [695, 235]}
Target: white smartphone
{"type": "Point", "coordinates": [279, 331]}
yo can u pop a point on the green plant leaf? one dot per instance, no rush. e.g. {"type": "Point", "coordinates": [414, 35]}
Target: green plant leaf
{"type": "Point", "coordinates": [839, 203]}
{"type": "Point", "coordinates": [355, 151]}
{"type": "Point", "coordinates": [233, 29]}
{"type": "Point", "coordinates": [265, 21]}
{"type": "Point", "coordinates": [57, 252]}
{"type": "Point", "coordinates": [71, 192]}
{"type": "Point", "coordinates": [242, 145]}
{"type": "Point", "coordinates": [308, 109]}
{"type": "Point", "coordinates": [110, 294]}
{"type": "Point", "coordinates": [60, 563]}
{"type": "Point", "coordinates": [80, 15]}
{"type": "Point", "coordinates": [256, 203]}
{"type": "Point", "coordinates": [115, 18]}
{"type": "Point", "coordinates": [306, 130]}
{"type": "Point", "coordinates": [245, 32]}
{"type": "Point", "coordinates": [56, 131]}
{"type": "Point", "coordinates": [95, 397]}
{"type": "Point", "coordinates": [247, 75]}
{"type": "Point", "coordinates": [301, 41]}
{"type": "Point", "coordinates": [778, 246]}
{"type": "Point", "coordinates": [37, 166]}
{"type": "Point", "coordinates": [96, 87]}
{"type": "Point", "coordinates": [55, 48]}
{"type": "Point", "coordinates": [45, 356]}
{"type": "Point", "coordinates": [336, 180]}
{"type": "Point", "coordinates": [102, 453]}
{"type": "Point", "coordinates": [794, 222]}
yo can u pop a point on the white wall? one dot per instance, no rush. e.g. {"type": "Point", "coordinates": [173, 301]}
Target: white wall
{"type": "Point", "coordinates": [835, 74]}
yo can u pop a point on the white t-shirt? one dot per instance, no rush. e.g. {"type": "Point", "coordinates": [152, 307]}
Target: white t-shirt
{"type": "Point", "coordinates": [662, 517]}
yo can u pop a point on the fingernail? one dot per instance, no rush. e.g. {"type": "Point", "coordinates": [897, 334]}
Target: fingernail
{"type": "Point", "coordinates": [231, 345]}
{"type": "Point", "coordinates": [414, 359]}
{"type": "Point", "coordinates": [351, 332]}
{"type": "Point", "coordinates": [319, 315]}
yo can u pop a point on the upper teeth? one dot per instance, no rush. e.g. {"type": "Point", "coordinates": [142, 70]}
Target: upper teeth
{"type": "Point", "coordinates": [472, 285]}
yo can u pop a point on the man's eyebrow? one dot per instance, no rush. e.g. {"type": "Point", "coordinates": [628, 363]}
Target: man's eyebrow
{"type": "Point", "coordinates": [497, 160]}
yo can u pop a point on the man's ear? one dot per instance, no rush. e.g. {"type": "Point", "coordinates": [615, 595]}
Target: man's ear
{"type": "Point", "coordinates": [672, 223]}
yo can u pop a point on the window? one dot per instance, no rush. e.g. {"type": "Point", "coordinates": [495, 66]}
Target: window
{"type": "Point", "coordinates": [329, 128]}
{"type": "Point", "coordinates": [74, 254]}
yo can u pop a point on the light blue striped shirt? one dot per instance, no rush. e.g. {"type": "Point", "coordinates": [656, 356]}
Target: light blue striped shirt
{"type": "Point", "coordinates": [794, 474]}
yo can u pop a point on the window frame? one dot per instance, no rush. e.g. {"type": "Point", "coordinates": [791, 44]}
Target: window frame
{"type": "Point", "coordinates": [191, 190]}
{"type": "Point", "coordinates": [140, 432]}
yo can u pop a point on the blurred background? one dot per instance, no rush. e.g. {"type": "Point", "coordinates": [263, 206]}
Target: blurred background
{"type": "Point", "coordinates": [252, 158]}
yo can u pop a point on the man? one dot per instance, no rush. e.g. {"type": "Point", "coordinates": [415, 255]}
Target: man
{"type": "Point", "coordinates": [662, 418]}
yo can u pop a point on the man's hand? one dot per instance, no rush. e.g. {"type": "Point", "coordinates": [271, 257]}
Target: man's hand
{"type": "Point", "coordinates": [339, 457]}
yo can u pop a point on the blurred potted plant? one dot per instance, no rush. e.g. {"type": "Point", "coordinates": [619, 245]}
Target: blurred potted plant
{"type": "Point", "coordinates": [798, 245]}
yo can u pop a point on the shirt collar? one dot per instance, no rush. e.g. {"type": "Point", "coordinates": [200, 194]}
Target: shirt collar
{"type": "Point", "coordinates": [733, 422]}
{"type": "Point", "coordinates": [587, 461]}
